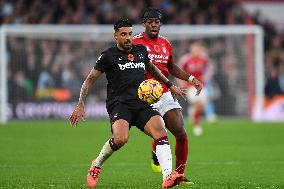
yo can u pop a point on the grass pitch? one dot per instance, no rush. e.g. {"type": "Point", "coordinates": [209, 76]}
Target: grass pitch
{"type": "Point", "coordinates": [51, 154]}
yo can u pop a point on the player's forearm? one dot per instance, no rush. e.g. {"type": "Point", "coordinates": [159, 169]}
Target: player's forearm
{"type": "Point", "coordinates": [155, 72]}
{"type": "Point", "coordinates": [180, 74]}
{"type": "Point", "coordinates": [88, 83]}
{"type": "Point", "coordinates": [83, 93]}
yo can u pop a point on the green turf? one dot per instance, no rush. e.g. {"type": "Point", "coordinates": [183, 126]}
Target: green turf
{"type": "Point", "coordinates": [51, 154]}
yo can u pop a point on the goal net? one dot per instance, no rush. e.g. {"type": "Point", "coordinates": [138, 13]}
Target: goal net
{"type": "Point", "coordinates": [43, 67]}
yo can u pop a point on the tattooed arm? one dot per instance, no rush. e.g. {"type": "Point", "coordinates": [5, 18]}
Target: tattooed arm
{"type": "Point", "coordinates": [88, 83]}
{"type": "Point", "coordinates": [79, 112]}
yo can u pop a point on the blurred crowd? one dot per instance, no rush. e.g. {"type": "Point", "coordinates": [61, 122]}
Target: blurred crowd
{"type": "Point", "coordinates": [55, 56]}
{"type": "Point", "coordinates": [43, 69]}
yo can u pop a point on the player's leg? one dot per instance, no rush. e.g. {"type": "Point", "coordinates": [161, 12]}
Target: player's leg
{"type": "Point", "coordinates": [172, 115]}
{"type": "Point", "coordinates": [174, 123]}
{"type": "Point", "coordinates": [120, 129]}
{"type": "Point", "coordinates": [151, 123]}
{"type": "Point", "coordinates": [154, 160]}
{"type": "Point", "coordinates": [155, 128]}
{"type": "Point", "coordinates": [171, 112]}
{"type": "Point", "coordinates": [120, 117]}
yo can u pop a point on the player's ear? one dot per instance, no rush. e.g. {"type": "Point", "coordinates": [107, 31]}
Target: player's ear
{"type": "Point", "coordinates": [115, 35]}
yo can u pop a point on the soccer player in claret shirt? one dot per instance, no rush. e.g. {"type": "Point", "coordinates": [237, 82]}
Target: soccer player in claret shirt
{"type": "Point", "coordinates": [160, 54]}
{"type": "Point", "coordinates": [124, 66]}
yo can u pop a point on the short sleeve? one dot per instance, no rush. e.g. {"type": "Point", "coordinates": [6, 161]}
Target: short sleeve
{"type": "Point", "coordinates": [101, 62]}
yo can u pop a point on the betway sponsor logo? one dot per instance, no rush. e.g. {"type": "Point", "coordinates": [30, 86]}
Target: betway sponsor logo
{"type": "Point", "coordinates": [131, 65]}
{"type": "Point", "coordinates": [158, 58]}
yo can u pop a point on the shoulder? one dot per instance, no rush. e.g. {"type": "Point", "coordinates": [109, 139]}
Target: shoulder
{"type": "Point", "coordinates": [107, 52]}
{"type": "Point", "coordinates": [138, 39]}
{"type": "Point", "coordinates": [103, 57]}
{"type": "Point", "coordinates": [164, 40]}
{"type": "Point", "coordinates": [138, 36]}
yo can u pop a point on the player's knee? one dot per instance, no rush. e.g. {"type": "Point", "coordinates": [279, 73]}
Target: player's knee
{"type": "Point", "coordinates": [120, 140]}
{"type": "Point", "coordinates": [156, 127]}
{"type": "Point", "coordinates": [178, 131]}
{"type": "Point", "coordinates": [159, 132]}
{"type": "Point", "coordinates": [175, 124]}
{"type": "Point", "coordinates": [181, 134]}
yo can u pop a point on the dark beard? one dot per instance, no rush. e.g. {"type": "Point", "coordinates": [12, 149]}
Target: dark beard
{"type": "Point", "coordinates": [127, 48]}
{"type": "Point", "coordinates": [124, 47]}
{"type": "Point", "coordinates": [152, 36]}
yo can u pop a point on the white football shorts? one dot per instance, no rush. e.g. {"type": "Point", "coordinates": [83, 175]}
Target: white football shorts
{"type": "Point", "coordinates": [166, 103]}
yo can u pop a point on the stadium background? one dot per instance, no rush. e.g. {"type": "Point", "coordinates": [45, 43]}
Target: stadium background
{"type": "Point", "coordinates": [48, 71]}
{"type": "Point", "coordinates": [52, 70]}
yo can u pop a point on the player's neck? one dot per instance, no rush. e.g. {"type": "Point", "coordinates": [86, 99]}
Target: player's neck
{"type": "Point", "coordinates": [122, 49]}
{"type": "Point", "coordinates": [151, 38]}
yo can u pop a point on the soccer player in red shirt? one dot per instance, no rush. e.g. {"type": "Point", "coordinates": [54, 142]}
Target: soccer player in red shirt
{"type": "Point", "coordinates": [160, 54]}
{"type": "Point", "coordinates": [196, 63]}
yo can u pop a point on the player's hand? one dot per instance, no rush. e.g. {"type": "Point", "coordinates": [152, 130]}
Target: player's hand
{"type": "Point", "coordinates": [77, 115]}
{"type": "Point", "coordinates": [198, 85]}
{"type": "Point", "coordinates": [176, 91]}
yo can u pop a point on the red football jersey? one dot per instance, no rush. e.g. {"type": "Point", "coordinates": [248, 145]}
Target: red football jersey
{"type": "Point", "coordinates": [195, 66]}
{"type": "Point", "coordinates": [159, 52]}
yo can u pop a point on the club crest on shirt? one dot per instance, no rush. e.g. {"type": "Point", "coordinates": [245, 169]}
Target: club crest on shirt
{"type": "Point", "coordinates": [157, 48]}
{"type": "Point", "coordinates": [140, 56]}
{"type": "Point", "coordinates": [130, 57]}
{"type": "Point", "coordinates": [164, 49]}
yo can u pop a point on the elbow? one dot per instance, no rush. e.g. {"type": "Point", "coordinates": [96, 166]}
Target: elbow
{"type": "Point", "coordinates": [172, 72]}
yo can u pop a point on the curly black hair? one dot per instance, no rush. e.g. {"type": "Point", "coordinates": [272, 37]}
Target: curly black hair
{"type": "Point", "coordinates": [121, 23]}
{"type": "Point", "coordinates": [152, 13]}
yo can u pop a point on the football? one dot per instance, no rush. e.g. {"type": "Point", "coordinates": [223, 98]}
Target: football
{"type": "Point", "coordinates": [150, 91]}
